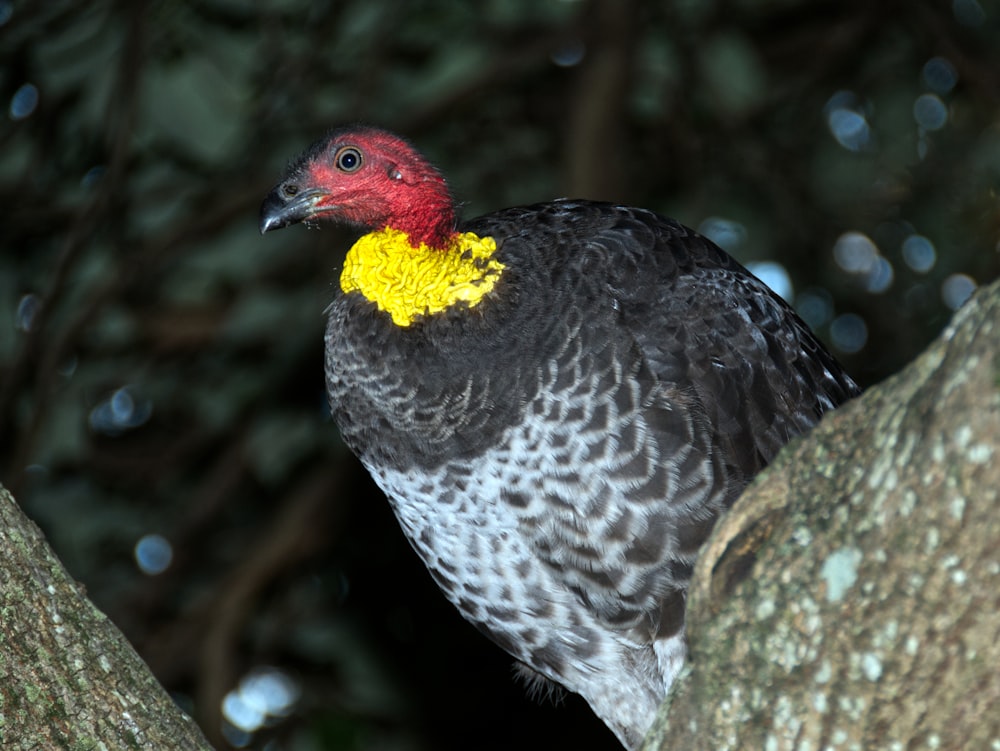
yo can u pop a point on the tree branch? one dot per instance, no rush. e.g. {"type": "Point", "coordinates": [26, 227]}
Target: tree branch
{"type": "Point", "coordinates": [851, 599]}
{"type": "Point", "coordinates": [68, 678]}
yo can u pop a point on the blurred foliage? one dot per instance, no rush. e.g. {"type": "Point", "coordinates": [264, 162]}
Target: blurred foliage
{"type": "Point", "coordinates": [161, 364]}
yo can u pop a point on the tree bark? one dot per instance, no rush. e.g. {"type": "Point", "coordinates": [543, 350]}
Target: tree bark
{"type": "Point", "coordinates": [851, 599]}
{"type": "Point", "coordinates": [68, 678]}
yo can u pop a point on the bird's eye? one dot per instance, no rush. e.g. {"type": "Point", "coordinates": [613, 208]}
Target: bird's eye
{"type": "Point", "coordinates": [348, 159]}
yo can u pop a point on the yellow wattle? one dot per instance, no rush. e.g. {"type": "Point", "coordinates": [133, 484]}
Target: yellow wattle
{"type": "Point", "coordinates": [409, 282]}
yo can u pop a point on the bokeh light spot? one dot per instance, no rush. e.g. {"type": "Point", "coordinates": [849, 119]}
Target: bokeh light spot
{"type": "Point", "coordinates": [919, 253]}
{"type": "Point", "coordinates": [815, 305]}
{"type": "Point", "coordinates": [855, 252]}
{"type": "Point", "coordinates": [93, 176]}
{"type": "Point", "coordinates": [24, 102]}
{"type": "Point", "coordinates": [929, 112]}
{"type": "Point", "coordinates": [940, 75]}
{"type": "Point", "coordinates": [774, 275]}
{"type": "Point", "coordinates": [263, 695]}
{"type": "Point", "coordinates": [27, 311]}
{"type": "Point", "coordinates": [569, 54]}
{"type": "Point", "coordinates": [153, 554]}
{"type": "Point", "coordinates": [849, 333]}
{"type": "Point", "coordinates": [847, 122]}
{"type": "Point", "coordinates": [728, 234]}
{"type": "Point", "coordinates": [880, 275]}
{"type": "Point", "coordinates": [120, 412]}
{"type": "Point", "coordinates": [956, 289]}
{"type": "Point", "coordinates": [968, 12]}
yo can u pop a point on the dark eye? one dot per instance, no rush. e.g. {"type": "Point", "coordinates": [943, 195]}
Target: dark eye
{"type": "Point", "coordinates": [348, 159]}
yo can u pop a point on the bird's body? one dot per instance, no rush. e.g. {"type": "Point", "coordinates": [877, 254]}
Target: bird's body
{"type": "Point", "coordinates": [559, 434]}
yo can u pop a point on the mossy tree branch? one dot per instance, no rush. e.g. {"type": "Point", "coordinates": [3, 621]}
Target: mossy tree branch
{"type": "Point", "coordinates": [68, 677]}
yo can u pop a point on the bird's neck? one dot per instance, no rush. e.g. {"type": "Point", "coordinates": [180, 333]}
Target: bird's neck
{"type": "Point", "coordinates": [427, 215]}
{"type": "Point", "coordinates": [410, 282]}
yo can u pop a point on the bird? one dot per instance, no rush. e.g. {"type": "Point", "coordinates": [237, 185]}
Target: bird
{"type": "Point", "coordinates": [559, 400]}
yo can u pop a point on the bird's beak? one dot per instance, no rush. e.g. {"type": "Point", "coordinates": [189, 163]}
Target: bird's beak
{"type": "Point", "coordinates": [279, 210]}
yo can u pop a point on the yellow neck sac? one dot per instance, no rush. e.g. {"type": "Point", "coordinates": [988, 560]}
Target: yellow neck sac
{"type": "Point", "coordinates": [409, 282]}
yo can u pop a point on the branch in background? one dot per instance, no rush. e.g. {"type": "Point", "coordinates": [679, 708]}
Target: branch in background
{"type": "Point", "coordinates": [301, 529]}
{"type": "Point", "coordinates": [595, 133]}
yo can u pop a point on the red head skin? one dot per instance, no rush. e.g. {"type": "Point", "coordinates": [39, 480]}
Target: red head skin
{"type": "Point", "coordinates": [373, 179]}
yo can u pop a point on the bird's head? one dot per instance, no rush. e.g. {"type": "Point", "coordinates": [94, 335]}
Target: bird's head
{"type": "Point", "coordinates": [368, 178]}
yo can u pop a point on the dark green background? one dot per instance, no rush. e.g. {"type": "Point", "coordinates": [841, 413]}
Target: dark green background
{"type": "Point", "coordinates": [161, 363]}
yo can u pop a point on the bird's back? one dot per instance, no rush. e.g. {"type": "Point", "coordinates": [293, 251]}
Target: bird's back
{"type": "Point", "coordinates": [557, 453]}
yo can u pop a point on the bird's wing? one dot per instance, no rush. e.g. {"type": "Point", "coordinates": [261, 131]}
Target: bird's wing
{"type": "Point", "coordinates": [695, 375]}
{"type": "Point", "coordinates": [756, 369]}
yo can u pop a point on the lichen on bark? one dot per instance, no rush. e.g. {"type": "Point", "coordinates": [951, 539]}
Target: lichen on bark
{"type": "Point", "coordinates": [68, 678]}
{"type": "Point", "coordinates": [851, 599]}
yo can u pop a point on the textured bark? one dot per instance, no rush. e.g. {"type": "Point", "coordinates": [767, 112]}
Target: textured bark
{"type": "Point", "coordinates": [851, 600]}
{"type": "Point", "coordinates": [68, 678]}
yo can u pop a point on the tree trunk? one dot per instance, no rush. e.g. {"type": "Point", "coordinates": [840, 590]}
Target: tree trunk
{"type": "Point", "coordinates": [851, 599]}
{"type": "Point", "coordinates": [68, 678]}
